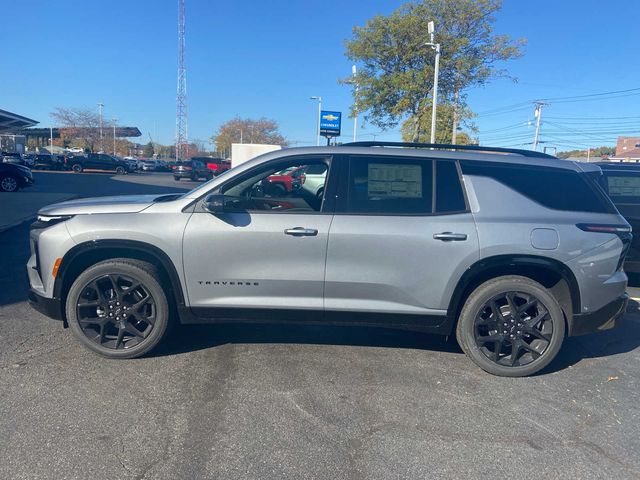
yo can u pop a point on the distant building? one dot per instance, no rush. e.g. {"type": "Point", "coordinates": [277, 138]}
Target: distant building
{"type": "Point", "coordinates": [628, 147]}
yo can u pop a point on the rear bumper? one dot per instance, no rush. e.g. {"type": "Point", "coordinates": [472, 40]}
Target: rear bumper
{"type": "Point", "coordinates": [604, 319]}
{"type": "Point", "coordinates": [51, 307]}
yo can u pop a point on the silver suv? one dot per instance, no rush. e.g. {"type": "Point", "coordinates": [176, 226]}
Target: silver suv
{"type": "Point", "coordinates": [510, 249]}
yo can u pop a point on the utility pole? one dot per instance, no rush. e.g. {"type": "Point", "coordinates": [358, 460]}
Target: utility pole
{"type": "Point", "coordinates": [51, 138]}
{"type": "Point", "coordinates": [436, 47]}
{"type": "Point", "coordinates": [538, 115]}
{"type": "Point", "coordinates": [319, 99]}
{"type": "Point", "coordinates": [100, 107]}
{"type": "Point", "coordinates": [355, 117]}
{"type": "Point", "coordinates": [114, 120]}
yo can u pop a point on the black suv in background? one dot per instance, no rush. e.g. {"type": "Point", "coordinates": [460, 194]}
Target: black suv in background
{"type": "Point", "coordinates": [98, 161]}
{"type": "Point", "coordinates": [622, 182]}
{"type": "Point", "coordinates": [192, 169]}
{"type": "Point", "coordinates": [14, 177]}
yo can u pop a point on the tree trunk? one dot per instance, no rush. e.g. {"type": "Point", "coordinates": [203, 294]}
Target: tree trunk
{"type": "Point", "coordinates": [416, 128]}
{"type": "Point", "coordinates": [454, 128]}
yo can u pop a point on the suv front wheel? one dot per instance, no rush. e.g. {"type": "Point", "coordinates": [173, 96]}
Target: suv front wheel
{"type": "Point", "coordinates": [511, 326]}
{"type": "Point", "coordinates": [118, 308]}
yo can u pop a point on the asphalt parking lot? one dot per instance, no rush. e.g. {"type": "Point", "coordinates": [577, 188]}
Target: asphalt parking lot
{"type": "Point", "coordinates": [260, 401]}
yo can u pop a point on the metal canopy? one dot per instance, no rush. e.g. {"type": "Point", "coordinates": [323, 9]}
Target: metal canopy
{"type": "Point", "coordinates": [11, 122]}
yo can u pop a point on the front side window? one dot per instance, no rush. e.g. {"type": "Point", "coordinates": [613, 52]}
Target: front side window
{"type": "Point", "coordinates": [390, 185]}
{"type": "Point", "coordinates": [284, 187]}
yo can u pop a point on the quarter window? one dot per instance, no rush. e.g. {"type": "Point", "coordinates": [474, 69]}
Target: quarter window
{"type": "Point", "coordinates": [449, 196]}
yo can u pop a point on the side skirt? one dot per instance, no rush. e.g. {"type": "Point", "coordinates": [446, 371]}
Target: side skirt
{"type": "Point", "coordinates": [436, 324]}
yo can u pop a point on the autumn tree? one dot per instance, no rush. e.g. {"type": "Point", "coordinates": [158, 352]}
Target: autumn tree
{"type": "Point", "coordinates": [148, 150]}
{"type": "Point", "coordinates": [247, 130]}
{"type": "Point", "coordinates": [395, 79]}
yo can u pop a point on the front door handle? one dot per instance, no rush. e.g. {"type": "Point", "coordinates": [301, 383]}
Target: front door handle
{"type": "Point", "coordinates": [450, 236]}
{"type": "Point", "coordinates": [301, 232]}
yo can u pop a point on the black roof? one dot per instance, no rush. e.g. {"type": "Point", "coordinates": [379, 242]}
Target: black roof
{"type": "Point", "coordinates": [11, 122]}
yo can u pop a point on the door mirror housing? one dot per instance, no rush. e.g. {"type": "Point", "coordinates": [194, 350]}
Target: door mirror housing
{"type": "Point", "coordinates": [214, 203]}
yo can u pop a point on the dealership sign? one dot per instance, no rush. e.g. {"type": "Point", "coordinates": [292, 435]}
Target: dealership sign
{"type": "Point", "coordinates": [330, 123]}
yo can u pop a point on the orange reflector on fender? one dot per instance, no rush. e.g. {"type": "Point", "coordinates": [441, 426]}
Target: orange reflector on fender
{"type": "Point", "coordinates": [56, 266]}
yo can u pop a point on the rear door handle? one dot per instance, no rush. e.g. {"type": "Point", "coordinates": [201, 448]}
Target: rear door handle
{"type": "Point", "coordinates": [301, 232]}
{"type": "Point", "coordinates": [450, 236]}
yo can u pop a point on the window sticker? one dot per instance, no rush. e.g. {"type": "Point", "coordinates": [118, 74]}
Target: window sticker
{"type": "Point", "coordinates": [624, 186]}
{"type": "Point", "coordinates": [394, 181]}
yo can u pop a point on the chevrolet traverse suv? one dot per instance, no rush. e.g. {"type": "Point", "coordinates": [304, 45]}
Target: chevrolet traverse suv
{"type": "Point", "coordinates": [511, 250]}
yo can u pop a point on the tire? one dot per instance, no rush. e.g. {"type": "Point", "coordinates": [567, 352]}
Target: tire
{"type": "Point", "coordinates": [77, 168]}
{"type": "Point", "coordinates": [120, 171]}
{"type": "Point", "coordinates": [320, 194]}
{"type": "Point", "coordinates": [126, 325]}
{"type": "Point", "coordinates": [177, 179]}
{"type": "Point", "coordinates": [486, 325]}
{"type": "Point", "coordinates": [9, 183]}
{"type": "Point", "coordinates": [194, 177]}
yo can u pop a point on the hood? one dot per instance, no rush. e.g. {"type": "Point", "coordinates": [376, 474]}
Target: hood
{"type": "Point", "coordinates": [118, 204]}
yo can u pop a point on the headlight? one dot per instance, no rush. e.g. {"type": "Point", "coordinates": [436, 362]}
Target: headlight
{"type": "Point", "coordinates": [46, 221]}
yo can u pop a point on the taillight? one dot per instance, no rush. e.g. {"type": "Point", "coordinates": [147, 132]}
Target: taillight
{"type": "Point", "coordinates": [622, 231]}
{"type": "Point", "coordinates": [603, 228]}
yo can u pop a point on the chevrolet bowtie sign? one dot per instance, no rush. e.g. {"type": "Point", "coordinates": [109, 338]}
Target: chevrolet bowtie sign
{"type": "Point", "coordinates": [330, 123]}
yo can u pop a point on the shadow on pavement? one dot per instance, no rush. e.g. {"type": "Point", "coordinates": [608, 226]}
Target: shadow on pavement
{"type": "Point", "coordinates": [624, 338]}
{"type": "Point", "coordinates": [190, 338]}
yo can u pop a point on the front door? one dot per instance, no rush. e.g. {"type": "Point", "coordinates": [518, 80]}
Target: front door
{"type": "Point", "coordinates": [267, 252]}
{"type": "Point", "coordinates": [400, 239]}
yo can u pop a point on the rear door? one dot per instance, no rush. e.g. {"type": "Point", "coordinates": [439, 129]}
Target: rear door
{"type": "Point", "coordinates": [401, 237]}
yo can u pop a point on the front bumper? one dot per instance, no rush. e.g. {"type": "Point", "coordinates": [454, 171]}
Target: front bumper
{"type": "Point", "coordinates": [600, 320]}
{"type": "Point", "coordinates": [51, 307]}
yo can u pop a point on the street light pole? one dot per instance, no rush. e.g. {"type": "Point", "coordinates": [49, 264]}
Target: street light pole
{"type": "Point", "coordinates": [436, 47]}
{"type": "Point", "coordinates": [319, 99]}
{"type": "Point", "coordinates": [51, 139]}
{"type": "Point", "coordinates": [100, 106]}
{"type": "Point", "coordinates": [114, 135]}
{"type": "Point", "coordinates": [354, 71]}
{"type": "Point", "coordinates": [538, 115]}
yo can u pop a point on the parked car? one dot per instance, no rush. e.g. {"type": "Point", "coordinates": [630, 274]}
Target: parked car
{"type": "Point", "coordinates": [216, 165]}
{"type": "Point", "coordinates": [621, 181]}
{"type": "Point", "coordinates": [46, 161]}
{"type": "Point", "coordinates": [29, 159]}
{"type": "Point", "coordinates": [511, 250]}
{"type": "Point", "coordinates": [13, 177]}
{"type": "Point", "coordinates": [98, 161]}
{"type": "Point", "coordinates": [192, 169]}
{"type": "Point", "coordinates": [283, 182]}
{"type": "Point", "coordinates": [12, 157]}
{"type": "Point", "coordinates": [149, 166]}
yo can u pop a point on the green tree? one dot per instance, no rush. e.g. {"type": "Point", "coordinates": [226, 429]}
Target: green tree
{"type": "Point", "coordinates": [148, 150]}
{"type": "Point", "coordinates": [395, 80]}
{"type": "Point", "coordinates": [444, 126]}
{"type": "Point", "coordinates": [247, 130]}
{"type": "Point", "coordinates": [594, 153]}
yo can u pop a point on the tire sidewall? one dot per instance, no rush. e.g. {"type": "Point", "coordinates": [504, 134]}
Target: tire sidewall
{"type": "Point", "coordinates": [76, 168]}
{"type": "Point", "coordinates": [465, 328]}
{"type": "Point", "coordinates": [131, 270]}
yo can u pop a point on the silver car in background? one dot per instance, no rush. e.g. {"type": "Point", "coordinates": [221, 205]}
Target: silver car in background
{"type": "Point", "coordinates": [511, 250]}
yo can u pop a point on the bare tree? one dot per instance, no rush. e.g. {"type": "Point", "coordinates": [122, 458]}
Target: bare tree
{"type": "Point", "coordinates": [81, 126]}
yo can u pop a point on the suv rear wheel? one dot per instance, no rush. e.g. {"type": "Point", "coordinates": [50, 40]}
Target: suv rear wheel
{"type": "Point", "coordinates": [120, 171]}
{"type": "Point", "coordinates": [118, 308]}
{"type": "Point", "coordinates": [77, 168]}
{"type": "Point", "coordinates": [511, 326]}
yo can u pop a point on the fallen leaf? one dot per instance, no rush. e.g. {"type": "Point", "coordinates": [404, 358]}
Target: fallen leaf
{"type": "Point", "coordinates": [612, 377]}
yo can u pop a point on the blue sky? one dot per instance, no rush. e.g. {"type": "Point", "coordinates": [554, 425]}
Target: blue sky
{"type": "Point", "coordinates": [257, 58]}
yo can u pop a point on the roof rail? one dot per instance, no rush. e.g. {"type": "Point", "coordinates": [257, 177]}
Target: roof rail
{"type": "Point", "coordinates": [445, 146]}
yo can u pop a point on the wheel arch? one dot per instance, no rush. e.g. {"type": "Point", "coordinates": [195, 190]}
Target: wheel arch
{"type": "Point", "coordinates": [551, 273]}
{"type": "Point", "coordinates": [88, 253]}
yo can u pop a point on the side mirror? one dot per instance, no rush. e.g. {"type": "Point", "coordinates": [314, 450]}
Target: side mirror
{"type": "Point", "coordinates": [214, 203]}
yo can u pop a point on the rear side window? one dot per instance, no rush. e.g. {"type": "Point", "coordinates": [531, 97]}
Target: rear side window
{"type": "Point", "coordinates": [623, 187]}
{"type": "Point", "coordinates": [390, 185]}
{"type": "Point", "coordinates": [554, 188]}
{"type": "Point", "coordinates": [449, 196]}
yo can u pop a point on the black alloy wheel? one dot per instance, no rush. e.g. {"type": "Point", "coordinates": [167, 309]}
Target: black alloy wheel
{"type": "Point", "coordinates": [119, 308]}
{"type": "Point", "coordinates": [513, 329]}
{"type": "Point", "coordinates": [116, 311]}
{"type": "Point", "coordinates": [77, 168]}
{"type": "Point", "coordinates": [120, 170]}
{"type": "Point", "coordinates": [511, 326]}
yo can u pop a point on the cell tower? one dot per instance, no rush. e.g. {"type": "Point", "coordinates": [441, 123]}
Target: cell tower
{"type": "Point", "coordinates": [182, 136]}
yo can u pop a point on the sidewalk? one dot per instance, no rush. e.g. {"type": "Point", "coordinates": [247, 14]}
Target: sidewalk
{"type": "Point", "coordinates": [19, 207]}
